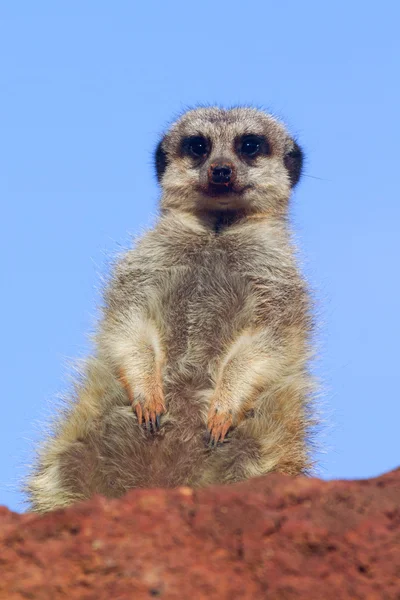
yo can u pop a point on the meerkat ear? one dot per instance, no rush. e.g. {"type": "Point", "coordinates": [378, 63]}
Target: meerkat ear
{"type": "Point", "coordinates": [160, 159]}
{"type": "Point", "coordinates": [293, 161]}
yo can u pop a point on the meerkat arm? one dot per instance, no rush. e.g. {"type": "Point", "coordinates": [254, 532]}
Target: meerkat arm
{"type": "Point", "coordinates": [134, 348]}
{"type": "Point", "coordinates": [247, 367]}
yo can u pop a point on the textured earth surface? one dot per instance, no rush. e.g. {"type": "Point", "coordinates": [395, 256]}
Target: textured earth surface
{"type": "Point", "coordinates": [274, 537]}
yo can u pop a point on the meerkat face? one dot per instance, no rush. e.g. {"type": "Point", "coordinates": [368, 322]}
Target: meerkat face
{"type": "Point", "coordinates": [217, 160]}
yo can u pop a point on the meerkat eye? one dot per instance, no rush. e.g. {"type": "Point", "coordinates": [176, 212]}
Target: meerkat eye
{"type": "Point", "coordinates": [251, 145]}
{"type": "Point", "coordinates": [196, 146]}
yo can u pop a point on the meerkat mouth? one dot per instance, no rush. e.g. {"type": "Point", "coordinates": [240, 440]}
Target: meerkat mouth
{"type": "Point", "coordinates": [223, 192]}
{"type": "Point", "coordinates": [220, 190]}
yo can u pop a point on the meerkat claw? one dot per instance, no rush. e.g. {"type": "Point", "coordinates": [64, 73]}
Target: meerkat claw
{"type": "Point", "coordinates": [218, 426]}
{"type": "Point", "coordinates": [139, 413]}
{"type": "Point", "coordinates": [224, 430]}
{"type": "Point", "coordinates": [150, 414]}
{"type": "Point", "coordinates": [153, 420]}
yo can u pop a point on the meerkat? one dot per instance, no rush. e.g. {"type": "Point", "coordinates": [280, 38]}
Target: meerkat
{"type": "Point", "coordinates": [200, 373]}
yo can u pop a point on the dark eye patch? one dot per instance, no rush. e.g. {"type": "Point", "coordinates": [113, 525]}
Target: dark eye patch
{"type": "Point", "coordinates": [250, 146]}
{"type": "Point", "coordinates": [195, 146]}
{"type": "Point", "coordinates": [160, 160]}
{"type": "Point", "coordinates": [293, 161]}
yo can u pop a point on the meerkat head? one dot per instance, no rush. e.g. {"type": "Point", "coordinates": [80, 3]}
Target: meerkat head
{"type": "Point", "coordinates": [240, 159]}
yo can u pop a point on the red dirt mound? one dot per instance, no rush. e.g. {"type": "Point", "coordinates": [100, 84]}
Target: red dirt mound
{"type": "Point", "coordinates": [274, 537]}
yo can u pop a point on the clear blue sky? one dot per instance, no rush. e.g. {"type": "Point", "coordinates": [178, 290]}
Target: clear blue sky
{"type": "Point", "coordinates": [85, 90]}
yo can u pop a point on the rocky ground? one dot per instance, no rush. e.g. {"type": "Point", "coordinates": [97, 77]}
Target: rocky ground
{"type": "Point", "coordinates": [274, 537]}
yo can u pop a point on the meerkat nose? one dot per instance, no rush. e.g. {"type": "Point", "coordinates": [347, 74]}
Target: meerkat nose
{"type": "Point", "coordinates": [221, 174]}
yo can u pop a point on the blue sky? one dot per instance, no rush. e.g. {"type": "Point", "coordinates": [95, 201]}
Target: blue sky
{"type": "Point", "coordinates": [85, 90]}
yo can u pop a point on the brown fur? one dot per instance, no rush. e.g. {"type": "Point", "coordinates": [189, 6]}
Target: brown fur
{"type": "Point", "coordinates": [206, 325]}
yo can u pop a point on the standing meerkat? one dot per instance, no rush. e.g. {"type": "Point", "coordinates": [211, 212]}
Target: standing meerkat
{"type": "Point", "coordinates": [200, 373]}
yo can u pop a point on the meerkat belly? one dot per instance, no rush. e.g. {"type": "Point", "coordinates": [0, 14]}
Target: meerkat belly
{"type": "Point", "coordinates": [204, 309]}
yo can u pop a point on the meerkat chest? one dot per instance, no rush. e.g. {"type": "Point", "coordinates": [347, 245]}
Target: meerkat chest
{"type": "Point", "coordinates": [205, 302]}
{"type": "Point", "coordinates": [204, 292]}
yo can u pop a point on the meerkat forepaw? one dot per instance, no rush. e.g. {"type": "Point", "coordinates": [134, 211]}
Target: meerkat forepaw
{"type": "Point", "coordinates": [150, 410]}
{"type": "Point", "coordinates": [218, 424]}
{"type": "Point", "coordinates": [148, 406]}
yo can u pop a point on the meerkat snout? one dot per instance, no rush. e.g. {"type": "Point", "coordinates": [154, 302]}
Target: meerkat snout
{"type": "Point", "coordinates": [221, 174]}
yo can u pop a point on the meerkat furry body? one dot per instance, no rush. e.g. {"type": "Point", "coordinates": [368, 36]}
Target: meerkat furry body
{"type": "Point", "coordinates": [200, 373]}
